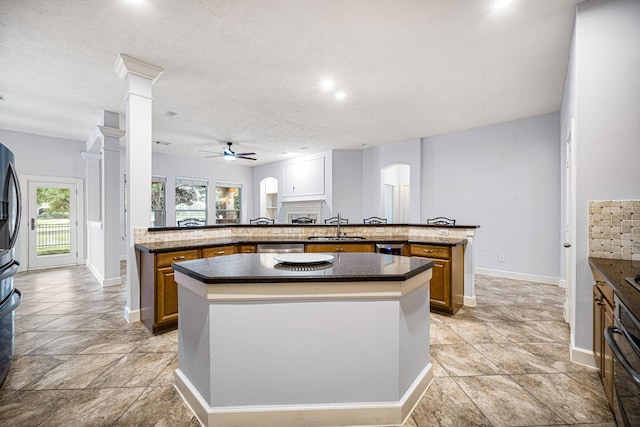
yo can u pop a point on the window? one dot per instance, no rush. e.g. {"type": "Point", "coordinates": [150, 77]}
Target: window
{"type": "Point", "coordinates": [191, 201]}
{"type": "Point", "coordinates": [158, 209]}
{"type": "Point", "coordinates": [228, 203]}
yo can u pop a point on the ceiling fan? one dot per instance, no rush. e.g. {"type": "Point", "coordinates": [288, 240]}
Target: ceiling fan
{"type": "Point", "coordinates": [229, 154]}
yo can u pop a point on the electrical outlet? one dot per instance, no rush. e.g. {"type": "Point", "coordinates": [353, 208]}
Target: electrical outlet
{"type": "Point", "coordinates": [198, 233]}
{"type": "Point", "coordinates": [288, 230]}
{"type": "Point", "coordinates": [443, 232]}
{"type": "Point", "coordinates": [501, 258]}
{"type": "Point", "coordinates": [297, 230]}
{"type": "Point", "coordinates": [276, 230]}
{"type": "Point", "coordinates": [379, 230]}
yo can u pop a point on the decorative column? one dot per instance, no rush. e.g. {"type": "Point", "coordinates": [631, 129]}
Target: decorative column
{"type": "Point", "coordinates": [111, 203]}
{"type": "Point", "coordinates": [139, 77]}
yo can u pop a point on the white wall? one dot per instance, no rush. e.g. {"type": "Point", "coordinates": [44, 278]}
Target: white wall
{"type": "Point", "coordinates": [46, 156]}
{"type": "Point", "coordinates": [604, 95]}
{"type": "Point", "coordinates": [505, 178]}
{"type": "Point", "coordinates": [347, 185]}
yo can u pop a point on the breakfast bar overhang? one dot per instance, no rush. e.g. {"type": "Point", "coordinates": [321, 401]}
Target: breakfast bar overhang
{"type": "Point", "coordinates": [344, 342]}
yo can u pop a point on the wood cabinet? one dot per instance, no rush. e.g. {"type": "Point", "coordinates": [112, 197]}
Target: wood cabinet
{"type": "Point", "coordinates": [158, 287]}
{"type": "Point", "coordinates": [159, 290]}
{"type": "Point", "coordinates": [218, 251]}
{"type": "Point", "coordinates": [447, 283]}
{"type": "Point", "coordinates": [246, 249]}
{"type": "Point", "coordinates": [603, 317]}
{"type": "Point", "coordinates": [338, 247]}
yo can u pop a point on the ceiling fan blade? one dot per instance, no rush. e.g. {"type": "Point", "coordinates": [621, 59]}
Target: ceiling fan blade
{"type": "Point", "coordinates": [205, 151]}
{"type": "Point", "coordinates": [243, 157]}
{"type": "Point", "coordinates": [245, 154]}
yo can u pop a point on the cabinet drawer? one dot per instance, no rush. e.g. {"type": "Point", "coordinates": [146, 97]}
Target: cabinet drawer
{"type": "Point", "coordinates": [429, 251]}
{"type": "Point", "coordinates": [218, 251]}
{"type": "Point", "coordinates": [339, 247]}
{"type": "Point", "coordinates": [247, 249]}
{"type": "Point", "coordinates": [168, 258]}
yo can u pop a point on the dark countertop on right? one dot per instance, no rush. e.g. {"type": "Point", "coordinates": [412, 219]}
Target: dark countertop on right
{"type": "Point", "coordinates": [615, 271]}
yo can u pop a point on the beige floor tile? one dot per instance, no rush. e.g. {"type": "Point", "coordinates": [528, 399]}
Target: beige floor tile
{"type": "Point", "coordinates": [464, 360]}
{"type": "Point", "coordinates": [505, 402]}
{"type": "Point", "coordinates": [513, 359]}
{"type": "Point", "coordinates": [163, 405]}
{"type": "Point", "coordinates": [445, 404]}
{"type": "Point", "coordinates": [133, 370]}
{"type": "Point", "coordinates": [573, 401]}
{"type": "Point", "coordinates": [76, 373]}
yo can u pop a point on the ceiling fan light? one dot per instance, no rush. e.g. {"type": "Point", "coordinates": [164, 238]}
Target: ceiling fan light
{"type": "Point", "coordinates": [229, 157]}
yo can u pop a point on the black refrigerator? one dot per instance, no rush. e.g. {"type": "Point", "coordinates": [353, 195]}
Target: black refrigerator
{"type": "Point", "coordinates": [9, 226]}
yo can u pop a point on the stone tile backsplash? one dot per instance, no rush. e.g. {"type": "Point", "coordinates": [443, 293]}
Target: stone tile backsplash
{"type": "Point", "coordinates": [614, 229]}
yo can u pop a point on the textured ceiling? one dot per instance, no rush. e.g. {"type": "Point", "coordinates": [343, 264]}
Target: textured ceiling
{"type": "Point", "coordinates": [249, 71]}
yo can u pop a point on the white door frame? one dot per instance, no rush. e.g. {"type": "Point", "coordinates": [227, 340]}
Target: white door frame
{"type": "Point", "coordinates": [24, 220]}
{"type": "Point", "coordinates": [570, 224]}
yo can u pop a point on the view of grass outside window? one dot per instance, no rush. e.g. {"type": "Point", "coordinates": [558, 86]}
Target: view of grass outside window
{"type": "Point", "coordinates": [228, 203]}
{"type": "Point", "coordinates": [53, 226]}
{"type": "Point", "coordinates": [191, 202]}
{"type": "Point", "coordinates": [158, 210]}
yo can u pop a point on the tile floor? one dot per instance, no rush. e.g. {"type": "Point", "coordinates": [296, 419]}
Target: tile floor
{"type": "Point", "coordinates": [78, 363]}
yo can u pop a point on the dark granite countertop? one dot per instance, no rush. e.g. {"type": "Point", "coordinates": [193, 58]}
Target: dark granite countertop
{"type": "Point", "coordinates": [615, 271]}
{"type": "Point", "coordinates": [182, 245]}
{"type": "Point", "coordinates": [264, 268]}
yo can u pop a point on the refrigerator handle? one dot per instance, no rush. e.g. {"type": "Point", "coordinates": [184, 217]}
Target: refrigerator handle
{"type": "Point", "coordinates": [10, 271]}
{"type": "Point", "coordinates": [14, 178]}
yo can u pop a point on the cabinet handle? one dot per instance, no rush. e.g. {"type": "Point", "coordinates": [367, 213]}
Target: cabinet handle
{"type": "Point", "coordinates": [339, 249]}
{"type": "Point", "coordinates": [427, 251]}
{"type": "Point", "coordinates": [179, 257]}
{"type": "Point", "coordinates": [220, 253]}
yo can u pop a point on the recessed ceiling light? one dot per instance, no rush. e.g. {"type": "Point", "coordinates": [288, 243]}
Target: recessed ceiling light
{"type": "Point", "coordinates": [171, 113]}
{"type": "Point", "coordinates": [340, 95]}
{"type": "Point", "coordinates": [327, 84]}
{"type": "Point", "coordinates": [501, 4]}
{"type": "Point", "coordinates": [1, 98]}
{"type": "Point", "coordinates": [163, 143]}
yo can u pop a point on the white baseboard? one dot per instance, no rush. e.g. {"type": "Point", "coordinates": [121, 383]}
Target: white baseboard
{"type": "Point", "coordinates": [518, 276]}
{"type": "Point", "coordinates": [131, 315]}
{"type": "Point", "coordinates": [470, 301]}
{"type": "Point", "coordinates": [103, 282]}
{"type": "Point", "coordinates": [352, 414]}
{"type": "Point", "coordinates": [583, 357]}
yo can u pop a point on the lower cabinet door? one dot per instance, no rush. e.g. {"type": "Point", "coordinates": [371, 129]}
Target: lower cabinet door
{"type": "Point", "coordinates": [167, 296]}
{"type": "Point", "coordinates": [440, 284]}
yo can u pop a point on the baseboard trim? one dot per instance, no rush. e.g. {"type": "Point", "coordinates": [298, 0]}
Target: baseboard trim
{"type": "Point", "coordinates": [131, 315]}
{"type": "Point", "coordinates": [103, 282]}
{"type": "Point", "coordinates": [583, 357]}
{"type": "Point", "coordinates": [356, 414]}
{"type": "Point", "coordinates": [518, 276]}
{"type": "Point", "coordinates": [470, 301]}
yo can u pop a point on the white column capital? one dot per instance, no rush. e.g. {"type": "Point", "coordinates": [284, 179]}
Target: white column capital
{"type": "Point", "coordinates": [126, 65]}
{"type": "Point", "coordinates": [113, 132]}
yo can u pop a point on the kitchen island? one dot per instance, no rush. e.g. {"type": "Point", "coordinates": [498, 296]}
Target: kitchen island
{"type": "Point", "coordinates": [344, 342]}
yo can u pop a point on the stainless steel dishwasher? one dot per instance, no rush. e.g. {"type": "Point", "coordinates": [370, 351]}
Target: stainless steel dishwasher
{"type": "Point", "coordinates": [279, 248]}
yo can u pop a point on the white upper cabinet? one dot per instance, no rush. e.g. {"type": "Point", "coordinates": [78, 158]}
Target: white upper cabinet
{"type": "Point", "coordinates": [304, 178]}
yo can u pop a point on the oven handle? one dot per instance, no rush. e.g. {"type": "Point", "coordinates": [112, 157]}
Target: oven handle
{"type": "Point", "coordinates": [608, 336]}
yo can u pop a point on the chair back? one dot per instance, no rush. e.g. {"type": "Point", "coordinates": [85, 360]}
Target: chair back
{"type": "Point", "coordinates": [262, 221]}
{"type": "Point", "coordinates": [441, 220]}
{"type": "Point", "coordinates": [334, 220]}
{"type": "Point", "coordinates": [303, 220]}
{"type": "Point", "coordinates": [374, 220]}
{"type": "Point", "coordinates": [190, 222]}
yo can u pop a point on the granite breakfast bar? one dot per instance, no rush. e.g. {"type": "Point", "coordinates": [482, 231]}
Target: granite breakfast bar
{"type": "Point", "coordinates": [344, 342]}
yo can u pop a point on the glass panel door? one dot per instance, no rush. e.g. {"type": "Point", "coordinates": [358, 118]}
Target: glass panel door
{"type": "Point", "coordinates": [52, 224]}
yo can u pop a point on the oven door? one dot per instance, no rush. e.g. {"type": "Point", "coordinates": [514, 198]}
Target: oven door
{"type": "Point", "coordinates": [626, 379]}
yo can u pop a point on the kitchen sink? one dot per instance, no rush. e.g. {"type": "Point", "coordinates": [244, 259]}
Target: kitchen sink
{"type": "Point", "coordinates": [331, 238]}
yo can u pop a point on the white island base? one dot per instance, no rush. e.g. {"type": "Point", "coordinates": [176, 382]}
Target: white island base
{"type": "Point", "coordinates": [303, 353]}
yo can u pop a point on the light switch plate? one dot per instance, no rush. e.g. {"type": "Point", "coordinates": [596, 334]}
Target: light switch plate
{"type": "Point", "coordinates": [276, 230]}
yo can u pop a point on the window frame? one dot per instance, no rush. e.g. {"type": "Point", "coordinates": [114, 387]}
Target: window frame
{"type": "Point", "coordinates": [225, 220]}
{"type": "Point", "coordinates": [195, 182]}
{"type": "Point", "coordinates": [157, 179]}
